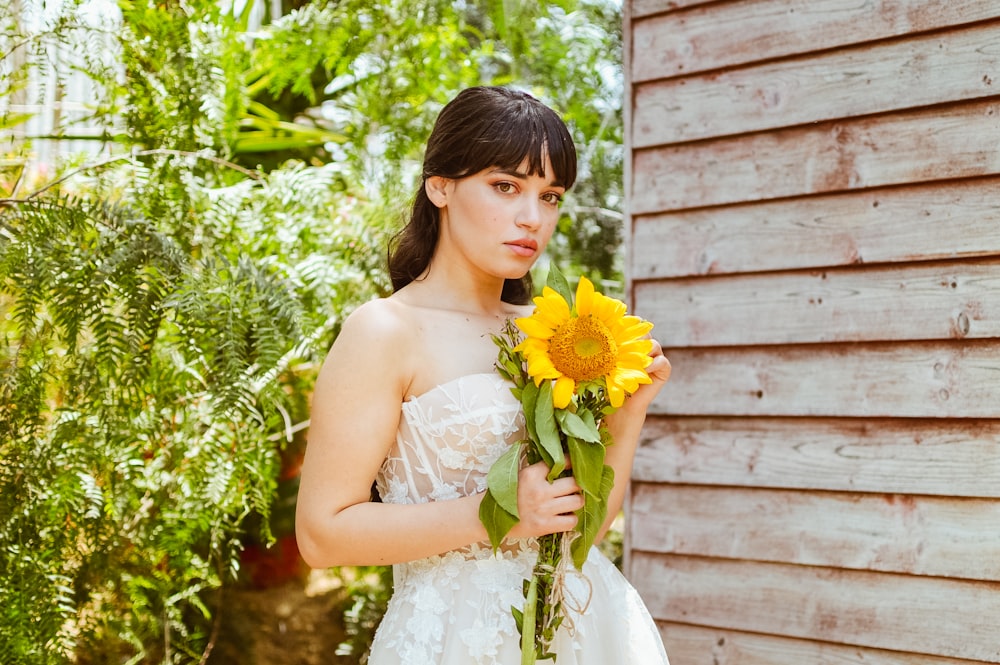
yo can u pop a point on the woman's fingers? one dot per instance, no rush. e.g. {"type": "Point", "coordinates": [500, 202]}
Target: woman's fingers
{"type": "Point", "coordinates": [659, 369]}
{"type": "Point", "coordinates": [565, 505]}
{"type": "Point", "coordinates": [547, 507]}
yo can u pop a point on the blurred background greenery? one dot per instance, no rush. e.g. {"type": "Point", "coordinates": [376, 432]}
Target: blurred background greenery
{"type": "Point", "coordinates": [167, 293]}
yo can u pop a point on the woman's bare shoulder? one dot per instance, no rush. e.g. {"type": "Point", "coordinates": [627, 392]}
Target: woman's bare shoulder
{"type": "Point", "coordinates": [381, 317]}
{"type": "Point", "coordinates": [374, 341]}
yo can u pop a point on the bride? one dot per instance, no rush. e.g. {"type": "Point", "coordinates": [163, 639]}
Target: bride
{"type": "Point", "coordinates": [408, 399]}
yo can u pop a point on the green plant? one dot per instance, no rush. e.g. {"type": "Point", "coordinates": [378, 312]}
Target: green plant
{"type": "Point", "coordinates": [142, 401]}
{"type": "Point", "coordinates": [368, 592]}
{"type": "Point", "coordinates": [164, 308]}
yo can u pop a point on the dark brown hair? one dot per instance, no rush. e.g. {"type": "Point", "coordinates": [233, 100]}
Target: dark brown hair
{"type": "Point", "coordinates": [482, 127]}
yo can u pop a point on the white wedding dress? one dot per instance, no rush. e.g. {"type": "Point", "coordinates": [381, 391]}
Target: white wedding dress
{"type": "Point", "coordinates": [454, 608]}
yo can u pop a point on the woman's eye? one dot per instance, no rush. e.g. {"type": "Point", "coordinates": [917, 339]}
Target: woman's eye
{"type": "Point", "coordinates": [552, 198]}
{"type": "Point", "coordinates": [504, 187]}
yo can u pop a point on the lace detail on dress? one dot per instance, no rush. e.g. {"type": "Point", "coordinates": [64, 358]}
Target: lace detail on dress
{"type": "Point", "coordinates": [437, 596]}
{"type": "Point", "coordinates": [454, 608]}
{"type": "Point", "coordinates": [448, 438]}
{"type": "Point", "coordinates": [447, 441]}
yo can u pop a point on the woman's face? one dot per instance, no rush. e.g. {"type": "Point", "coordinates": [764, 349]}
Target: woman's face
{"type": "Point", "coordinates": [499, 221]}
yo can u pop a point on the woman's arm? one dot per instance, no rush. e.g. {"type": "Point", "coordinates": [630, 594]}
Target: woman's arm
{"type": "Point", "coordinates": [355, 414]}
{"type": "Point", "coordinates": [625, 426]}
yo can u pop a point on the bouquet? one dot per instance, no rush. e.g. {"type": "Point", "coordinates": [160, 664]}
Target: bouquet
{"type": "Point", "coordinates": [574, 364]}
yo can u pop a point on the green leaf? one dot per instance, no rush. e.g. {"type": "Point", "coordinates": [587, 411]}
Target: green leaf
{"type": "Point", "coordinates": [588, 464]}
{"type": "Point", "coordinates": [14, 119]}
{"type": "Point", "coordinates": [518, 616]}
{"type": "Point", "coordinates": [512, 370]}
{"type": "Point", "coordinates": [528, 400]}
{"type": "Point", "coordinates": [557, 282]}
{"type": "Point", "coordinates": [591, 518]}
{"type": "Point", "coordinates": [502, 479]}
{"type": "Point", "coordinates": [549, 439]}
{"type": "Point", "coordinates": [498, 522]}
{"type": "Point", "coordinates": [258, 109]}
{"type": "Point", "coordinates": [580, 425]}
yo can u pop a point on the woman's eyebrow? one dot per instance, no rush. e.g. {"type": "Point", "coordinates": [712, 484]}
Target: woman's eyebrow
{"type": "Point", "coordinates": [511, 172]}
{"type": "Point", "coordinates": [523, 175]}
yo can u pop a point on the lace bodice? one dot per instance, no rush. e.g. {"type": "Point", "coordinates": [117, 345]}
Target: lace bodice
{"type": "Point", "coordinates": [448, 438]}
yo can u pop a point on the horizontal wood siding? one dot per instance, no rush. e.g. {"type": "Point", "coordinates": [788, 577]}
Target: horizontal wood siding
{"type": "Point", "coordinates": [897, 533]}
{"type": "Point", "coordinates": [814, 230]}
{"type": "Point", "coordinates": [649, 7]}
{"type": "Point", "coordinates": [943, 300]}
{"type": "Point", "coordinates": [927, 615]}
{"type": "Point", "coordinates": [940, 220]}
{"type": "Point", "coordinates": [919, 380]}
{"type": "Point", "coordinates": [939, 68]}
{"type": "Point", "coordinates": [710, 646]}
{"type": "Point", "coordinates": [726, 34]}
{"type": "Point", "coordinates": [941, 457]}
{"type": "Point", "coordinates": [915, 146]}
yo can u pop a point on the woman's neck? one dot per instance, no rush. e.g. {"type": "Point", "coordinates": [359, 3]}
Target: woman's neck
{"type": "Point", "coordinates": [450, 290]}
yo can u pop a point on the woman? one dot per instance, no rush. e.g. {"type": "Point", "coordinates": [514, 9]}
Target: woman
{"type": "Point", "coordinates": [408, 398]}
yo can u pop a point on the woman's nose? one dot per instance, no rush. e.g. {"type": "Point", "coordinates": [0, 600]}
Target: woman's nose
{"type": "Point", "coordinates": [530, 215]}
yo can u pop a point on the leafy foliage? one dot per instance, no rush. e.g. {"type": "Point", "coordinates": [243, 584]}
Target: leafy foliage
{"type": "Point", "coordinates": [377, 74]}
{"type": "Point", "coordinates": [368, 591]}
{"type": "Point", "coordinates": [141, 388]}
{"type": "Point", "coordinates": [163, 310]}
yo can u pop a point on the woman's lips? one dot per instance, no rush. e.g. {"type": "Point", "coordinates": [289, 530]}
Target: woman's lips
{"type": "Point", "coordinates": [524, 247]}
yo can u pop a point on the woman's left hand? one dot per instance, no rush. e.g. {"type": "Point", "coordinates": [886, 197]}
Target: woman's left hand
{"type": "Point", "coordinates": [659, 371]}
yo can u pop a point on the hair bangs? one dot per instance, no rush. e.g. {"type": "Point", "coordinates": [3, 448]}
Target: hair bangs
{"type": "Point", "coordinates": [527, 135]}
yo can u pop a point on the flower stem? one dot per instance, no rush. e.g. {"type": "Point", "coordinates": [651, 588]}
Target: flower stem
{"type": "Point", "coordinates": [528, 623]}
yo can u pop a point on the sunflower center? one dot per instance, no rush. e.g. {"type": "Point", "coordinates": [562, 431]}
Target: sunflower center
{"type": "Point", "coordinates": [583, 349]}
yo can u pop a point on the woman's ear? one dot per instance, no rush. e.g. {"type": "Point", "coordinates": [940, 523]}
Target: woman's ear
{"type": "Point", "coordinates": [437, 188]}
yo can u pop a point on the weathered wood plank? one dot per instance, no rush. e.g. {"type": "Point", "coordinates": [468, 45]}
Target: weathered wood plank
{"type": "Point", "coordinates": [932, 69]}
{"type": "Point", "coordinates": [933, 144]}
{"type": "Point", "coordinates": [942, 300]}
{"type": "Point", "coordinates": [911, 223]}
{"type": "Point", "coordinates": [914, 380]}
{"type": "Point", "coordinates": [895, 533]}
{"type": "Point", "coordinates": [959, 458]}
{"type": "Point", "coordinates": [932, 616]}
{"type": "Point", "coordinates": [650, 7]}
{"type": "Point", "coordinates": [737, 33]}
{"type": "Point", "coordinates": [693, 645]}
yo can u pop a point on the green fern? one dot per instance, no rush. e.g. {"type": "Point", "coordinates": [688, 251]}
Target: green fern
{"type": "Point", "coordinates": [141, 374]}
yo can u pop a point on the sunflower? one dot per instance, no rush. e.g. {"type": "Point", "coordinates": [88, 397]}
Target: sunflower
{"type": "Point", "coordinates": [595, 341]}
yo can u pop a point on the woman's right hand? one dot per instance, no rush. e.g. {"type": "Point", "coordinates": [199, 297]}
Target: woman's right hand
{"type": "Point", "coordinates": [545, 507]}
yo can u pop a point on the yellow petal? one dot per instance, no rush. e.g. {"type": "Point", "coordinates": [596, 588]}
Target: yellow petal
{"type": "Point", "coordinates": [584, 296]}
{"type": "Point", "coordinates": [607, 309]}
{"type": "Point", "coordinates": [539, 366]}
{"type": "Point", "coordinates": [549, 317]}
{"type": "Point", "coordinates": [632, 330]}
{"type": "Point", "coordinates": [551, 306]}
{"type": "Point", "coordinates": [634, 363]}
{"type": "Point", "coordinates": [615, 395]}
{"type": "Point", "coordinates": [634, 355]}
{"type": "Point", "coordinates": [642, 345]}
{"type": "Point", "coordinates": [562, 392]}
{"type": "Point", "coordinates": [530, 345]}
{"type": "Point", "coordinates": [630, 379]}
{"type": "Point", "coordinates": [532, 327]}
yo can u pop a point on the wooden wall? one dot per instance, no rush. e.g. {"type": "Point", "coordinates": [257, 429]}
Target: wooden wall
{"type": "Point", "coordinates": [814, 228]}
